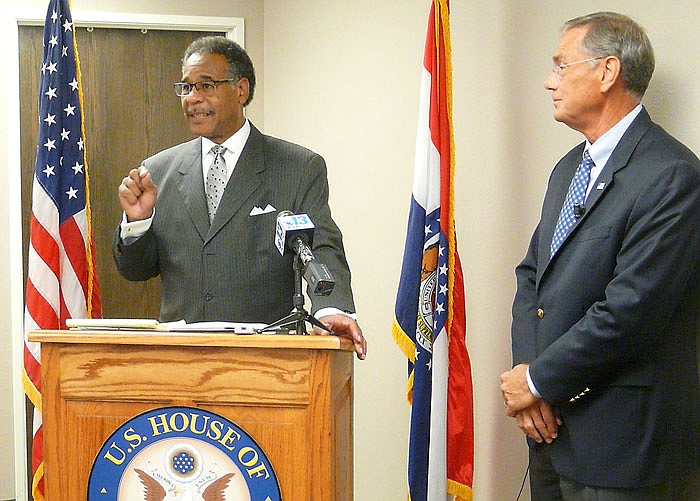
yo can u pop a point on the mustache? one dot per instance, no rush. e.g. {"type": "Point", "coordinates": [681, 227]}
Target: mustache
{"type": "Point", "coordinates": [197, 111]}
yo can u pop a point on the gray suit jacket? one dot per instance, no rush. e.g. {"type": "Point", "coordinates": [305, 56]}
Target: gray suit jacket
{"type": "Point", "coordinates": [231, 270]}
{"type": "Point", "coordinates": [609, 323]}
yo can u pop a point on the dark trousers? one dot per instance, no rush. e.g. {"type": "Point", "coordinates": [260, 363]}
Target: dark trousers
{"type": "Point", "coordinates": [547, 485]}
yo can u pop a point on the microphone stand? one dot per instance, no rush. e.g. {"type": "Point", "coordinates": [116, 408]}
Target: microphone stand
{"type": "Point", "coordinates": [298, 316]}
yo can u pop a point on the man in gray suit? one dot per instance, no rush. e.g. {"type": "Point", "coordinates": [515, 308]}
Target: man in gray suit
{"type": "Point", "coordinates": [604, 335]}
{"type": "Point", "coordinates": [202, 214]}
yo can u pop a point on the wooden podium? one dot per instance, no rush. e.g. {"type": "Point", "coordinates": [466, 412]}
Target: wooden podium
{"type": "Point", "coordinates": [292, 394]}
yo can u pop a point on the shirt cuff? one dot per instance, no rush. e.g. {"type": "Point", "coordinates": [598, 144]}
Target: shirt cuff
{"type": "Point", "coordinates": [334, 311]}
{"type": "Point", "coordinates": [130, 231]}
{"type": "Point", "coordinates": [531, 385]}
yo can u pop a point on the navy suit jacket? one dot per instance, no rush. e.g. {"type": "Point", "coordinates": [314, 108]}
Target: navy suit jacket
{"type": "Point", "coordinates": [609, 324]}
{"type": "Point", "coordinates": [231, 270]}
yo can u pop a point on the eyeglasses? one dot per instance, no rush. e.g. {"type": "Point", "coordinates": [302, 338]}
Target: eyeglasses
{"type": "Point", "coordinates": [558, 68]}
{"type": "Point", "coordinates": [206, 88]}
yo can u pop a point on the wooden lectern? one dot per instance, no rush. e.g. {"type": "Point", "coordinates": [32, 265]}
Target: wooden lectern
{"type": "Point", "coordinates": [292, 394]}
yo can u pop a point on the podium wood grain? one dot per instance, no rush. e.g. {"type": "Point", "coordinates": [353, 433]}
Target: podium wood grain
{"type": "Point", "coordinates": [292, 394]}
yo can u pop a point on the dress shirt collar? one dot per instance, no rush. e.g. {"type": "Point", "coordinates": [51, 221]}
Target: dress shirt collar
{"type": "Point", "coordinates": [233, 144]}
{"type": "Point", "coordinates": [602, 149]}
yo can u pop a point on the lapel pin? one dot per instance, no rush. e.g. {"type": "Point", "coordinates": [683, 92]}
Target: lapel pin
{"type": "Point", "coordinates": [600, 186]}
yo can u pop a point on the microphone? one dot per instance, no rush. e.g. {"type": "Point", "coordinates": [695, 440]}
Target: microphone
{"type": "Point", "coordinates": [295, 232]}
{"type": "Point", "coordinates": [579, 210]}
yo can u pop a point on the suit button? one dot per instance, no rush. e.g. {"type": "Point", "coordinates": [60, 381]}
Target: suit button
{"type": "Point", "coordinates": [208, 296]}
{"type": "Point", "coordinates": [540, 312]}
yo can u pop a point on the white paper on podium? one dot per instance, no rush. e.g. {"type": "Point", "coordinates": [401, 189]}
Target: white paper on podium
{"type": "Point", "coordinates": [112, 323]}
{"type": "Point", "coordinates": [231, 327]}
{"type": "Point", "coordinates": [153, 325]}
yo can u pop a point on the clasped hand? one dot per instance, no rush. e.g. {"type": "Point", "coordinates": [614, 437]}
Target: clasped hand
{"type": "Point", "coordinates": [535, 417]}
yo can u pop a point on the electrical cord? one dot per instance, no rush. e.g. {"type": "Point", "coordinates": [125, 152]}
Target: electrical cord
{"type": "Point", "coordinates": [522, 485]}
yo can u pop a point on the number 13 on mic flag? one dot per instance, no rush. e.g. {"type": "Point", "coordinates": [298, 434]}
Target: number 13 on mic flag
{"type": "Point", "coordinates": [430, 317]}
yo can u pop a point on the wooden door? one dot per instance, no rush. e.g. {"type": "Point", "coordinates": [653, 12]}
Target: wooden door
{"type": "Point", "coordinates": [131, 112]}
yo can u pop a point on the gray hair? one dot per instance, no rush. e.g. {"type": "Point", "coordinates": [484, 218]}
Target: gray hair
{"type": "Point", "coordinates": [612, 34]}
{"type": "Point", "coordinates": [239, 63]}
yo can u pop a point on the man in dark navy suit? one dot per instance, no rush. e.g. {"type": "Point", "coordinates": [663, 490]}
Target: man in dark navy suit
{"type": "Point", "coordinates": [605, 318]}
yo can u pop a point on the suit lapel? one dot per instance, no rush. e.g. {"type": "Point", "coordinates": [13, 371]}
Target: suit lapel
{"type": "Point", "coordinates": [618, 160]}
{"type": "Point", "coordinates": [243, 182]}
{"type": "Point", "coordinates": [191, 186]}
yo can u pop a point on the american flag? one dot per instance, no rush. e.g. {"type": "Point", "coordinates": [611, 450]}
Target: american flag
{"type": "Point", "coordinates": [61, 281]}
{"type": "Point", "coordinates": [430, 314]}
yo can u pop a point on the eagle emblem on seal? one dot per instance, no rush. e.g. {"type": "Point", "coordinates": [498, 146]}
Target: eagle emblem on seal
{"type": "Point", "coordinates": [154, 490]}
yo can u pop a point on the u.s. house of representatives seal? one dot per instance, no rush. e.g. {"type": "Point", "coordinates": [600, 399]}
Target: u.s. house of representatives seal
{"type": "Point", "coordinates": [184, 454]}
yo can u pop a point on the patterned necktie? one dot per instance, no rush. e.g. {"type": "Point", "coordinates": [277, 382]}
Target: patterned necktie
{"type": "Point", "coordinates": [216, 180]}
{"type": "Point", "coordinates": [575, 196]}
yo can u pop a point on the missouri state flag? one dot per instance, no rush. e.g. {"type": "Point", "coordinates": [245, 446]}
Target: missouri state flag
{"type": "Point", "coordinates": [61, 278]}
{"type": "Point", "coordinates": [430, 317]}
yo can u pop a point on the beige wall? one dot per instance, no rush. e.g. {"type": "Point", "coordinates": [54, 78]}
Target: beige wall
{"type": "Point", "coordinates": [342, 78]}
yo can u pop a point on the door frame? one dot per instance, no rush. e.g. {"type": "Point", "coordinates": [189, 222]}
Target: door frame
{"type": "Point", "coordinates": [234, 28]}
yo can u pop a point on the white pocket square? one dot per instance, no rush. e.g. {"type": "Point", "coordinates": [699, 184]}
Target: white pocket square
{"type": "Point", "coordinates": [257, 211]}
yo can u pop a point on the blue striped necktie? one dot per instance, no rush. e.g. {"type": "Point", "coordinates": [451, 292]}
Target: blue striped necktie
{"type": "Point", "coordinates": [575, 196]}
